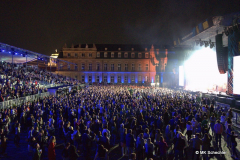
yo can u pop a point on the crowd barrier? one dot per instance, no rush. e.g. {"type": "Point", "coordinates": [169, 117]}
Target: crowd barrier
{"type": "Point", "coordinates": [19, 101]}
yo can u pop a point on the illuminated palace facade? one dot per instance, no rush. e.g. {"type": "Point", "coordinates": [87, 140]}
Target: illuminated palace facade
{"type": "Point", "coordinates": [111, 63]}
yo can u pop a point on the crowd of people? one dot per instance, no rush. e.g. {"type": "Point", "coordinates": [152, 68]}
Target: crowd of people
{"type": "Point", "coordinates": [144, 121]}
{"type": "Point", "coordinates": [20, 81]}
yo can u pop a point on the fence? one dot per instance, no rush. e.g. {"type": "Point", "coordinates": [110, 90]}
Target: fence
{"type": "Point", "coordinates": [19, 101]}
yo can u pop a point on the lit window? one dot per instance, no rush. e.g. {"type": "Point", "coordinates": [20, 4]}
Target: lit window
{"type": "Point", "coordinates": [139, 55]}
{"type": "Point", "coordinates": [146, 55]}
{"type": "Point", "coordinates": [119, 67]}
{"type": "Point", "coordinates": [132, 78]}
{"type": "Point", "coordinates": [119, 54]}
{"type": "Point", "coordinates": [125, 55]}
{"type": "Point", "coordinates": [112, 54]}
{"type": "Point", "coordinates": [139, 78]}
{"type": "Point", "coordinates": [126, 78]}
{"type": "Point", "coordinates": [133, 55]}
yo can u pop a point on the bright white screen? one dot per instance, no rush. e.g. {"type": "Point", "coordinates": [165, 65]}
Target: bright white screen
{"type": "Point", "coordinates": [236, 75]}
{"type": "Point", "coordinates": [181, 76]}
{"type": "Point", "coordinates": [201, 72]}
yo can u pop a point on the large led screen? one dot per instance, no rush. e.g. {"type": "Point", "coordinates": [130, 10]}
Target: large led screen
{"type": "Point", "coordinates": [236, 75]}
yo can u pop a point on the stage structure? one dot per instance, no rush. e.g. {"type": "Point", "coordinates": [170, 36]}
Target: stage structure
{"type": "Point", "coordinates": [14, 54]}
{"type": "Point", "coordinates": [211, 61]}
{"type": "Point", "coordinates": [219, 35]}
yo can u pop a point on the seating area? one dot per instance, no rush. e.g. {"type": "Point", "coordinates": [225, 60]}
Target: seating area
{"type": "Point", "coordinates": [17, 80]}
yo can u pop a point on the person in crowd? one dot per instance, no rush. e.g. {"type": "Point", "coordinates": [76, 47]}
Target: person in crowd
{"type": "Point", "coordinates": [233, 145]}
{"type": "Point", "coordinates": [149, 148]}
{"type": "Point", "coordinates": [73, 155]}
{"type": "Point", "coordinates": [218, 129]}
{"type": "Point", "coordinates": [65, 152]}
{"type": "Point", "coordinates": [130, 140]}
{"type": "Point", "coordinates": [37, 152]}
{"type": "Point", "coordinates": [206, 144]}
{"type": "Point", "coordinates": [179, 144]}
{"type": "Point", "coordinates": [162, 148]}
{"type": "Point", "coordinates": [51, 148]}
{"type": "Point", "coordinates": [140, 147]}
{"type": "Point", "coordinates": [101, 153]}
{"type": "Point", "coordinates": [197, 142]}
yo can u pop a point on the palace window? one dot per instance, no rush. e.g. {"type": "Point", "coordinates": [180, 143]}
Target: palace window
{"type": "Point", "coordinates": [89, 79]}
{"type": "Point", "coordinates": [105, 67]}
{"type": "Point", "coordinates": [83, 78]}
{"type": "Point", "coordinates": [98, 79]}
{"type": "Point", "coordinates": [126, 67]}
{"type": "Point", "coordinates": [119, 67]}
{"type": "Point", "coordinates": [98, 54]}
{"type": "Point", "coordinates": [132, 78]}
{"type": "Point", "coordinates": [139, 55]}
{"type": "Point", "coordinates": [112, 54]}
{"type": "Point", "coordinates": [133, 67]}
{"type": "Point", "coordinates": [105, 54]}
{"type": "Point", "coordinates": [90, 55]}
{"type": "Point", "coordinates": [146, 55]}
{"type": "Point", "coordinates": [132, 55]}
{"type": "Point", "coordinates": [126, 78]}
{"type": "Point", "coordinates": [119, 79]}
{"type": "Point", "coordinates": [76, 67]}
{"type": "Point", "coordinates": [125, 55]}
{"type": "Point", "coordinates": [105, 79]}
{"type": "Point", "coordinates": [112, 79]}
{"type": "Point", "coordinates": [112, 67]}
{"type": "Point", "coordinates": [119, 55]}
{"type": "Point", "coordinates": [98, 67]}
{"type": "Point", "coordinates": [146, 67]}
{"type": "Point", "coordinates": [83, 54]}
{"type": "Point", "coordinates": [90, 67]}
{"type": "Point", "coordinates": [83, 67]}
{"type": "Point", "coordinates": [139, 67]}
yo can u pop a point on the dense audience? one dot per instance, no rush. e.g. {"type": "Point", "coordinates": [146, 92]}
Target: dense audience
{"type": "Point", "coordinates": [20, 81]}
{"type": "Point", "coordinates": [144, 121]}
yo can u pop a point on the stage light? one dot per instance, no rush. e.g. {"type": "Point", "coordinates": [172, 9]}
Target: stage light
{"type": "Point", "coordinates": [201, 70]}
{"type": "Point", "coordinates": [3, 50]}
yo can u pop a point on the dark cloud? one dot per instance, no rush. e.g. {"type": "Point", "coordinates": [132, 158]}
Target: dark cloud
{"type": "Point", "coordinates": [43, 26]}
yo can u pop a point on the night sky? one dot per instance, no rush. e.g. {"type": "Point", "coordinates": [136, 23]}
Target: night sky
{"type": "Point", "coordinates": [43, 26]}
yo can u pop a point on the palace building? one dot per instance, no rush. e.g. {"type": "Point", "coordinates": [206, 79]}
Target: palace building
{"type": "Point", "coordinates": [112, 63]}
